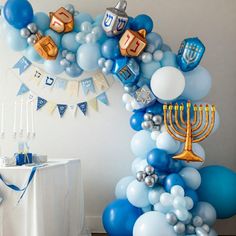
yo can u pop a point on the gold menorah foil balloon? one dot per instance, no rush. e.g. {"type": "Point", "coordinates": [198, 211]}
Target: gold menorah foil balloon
{"type": "Point", "coordinates": [188, 131]}
{"type": "Point", "coordinates": [61, 21]}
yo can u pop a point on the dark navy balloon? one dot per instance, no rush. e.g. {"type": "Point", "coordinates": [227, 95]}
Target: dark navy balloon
{"type": "Point", "coordinates": [119, 218]}
{"type": "Point", "coordinates": [18, 13]}
{"type": "Point", "coordinates": [142, 22]}
{"type": "Point", "coordinates": [172, 180]}
{"type": "Point", "coordinates": [136, 120]}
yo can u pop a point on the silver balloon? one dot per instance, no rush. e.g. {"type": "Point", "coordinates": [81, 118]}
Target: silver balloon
{"type": "Point", "coordinates": [155, 177]}
{"type": "Point", "coordinates": [64, 53]}
{"type": "Point", "coordinates": [206, 228]}
{"type": "Point", "coordinates": [171, 218]}
{"type": "Point", "coordinates": [149, 181]}
{"type": "Point", "coordinates": [190, 229]}
{"type": "Point", "coordinates": [140, 176]}
{"type": "Point", "coordinates": [70, 8]}
{"type": "Point", "coordinates": [201, 232]}
{"type": "Point", "coordinates": [25, 33]}
{"type": "Point", "coordinates": [156, 128]}
{"type": "Point", "coordinates": [147, 125]}
{"type": "Point", "coordinates": [197, 221]}
{"type": "Point", "coordinates": [32, 39]}
{"type": "Point", "coordinates": [32, 27]}
{"type": "Point", "coordinates": [146, 57]}
{"type": "Point", "coordinates": [179, 228]}
{"type": "Point", "coordinates": [64, 63]}
{"type": "Point", "coordinates": [157, 119]}
{"type": "Point", "coordinates": [149, 170]}
{"type": "Point", "coordinates": [147, 116]}
{"type": "Point", "coordinates": [70, 57]}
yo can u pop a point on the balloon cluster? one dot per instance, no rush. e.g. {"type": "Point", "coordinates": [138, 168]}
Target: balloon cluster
{"type": "Point", "coordinates": [169, 197]}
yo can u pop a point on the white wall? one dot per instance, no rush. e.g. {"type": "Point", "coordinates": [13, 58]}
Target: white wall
{"type": "Point", "coordinates": [102, 139]}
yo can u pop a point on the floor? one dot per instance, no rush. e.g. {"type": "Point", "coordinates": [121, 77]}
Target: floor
{"type": "Point", "coordinates": [99, 234]}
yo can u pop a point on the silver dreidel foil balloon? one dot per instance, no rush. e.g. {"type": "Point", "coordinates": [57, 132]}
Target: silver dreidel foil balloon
{"type": "Point", "coordinates": [115, 19]}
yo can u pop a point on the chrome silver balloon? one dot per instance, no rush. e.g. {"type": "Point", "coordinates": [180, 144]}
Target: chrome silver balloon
{"type": "Point", "coordinates": [64, 63]}
{"type": "Point", "coordinates": [200, 232]}
{"type": "Point", "coordinates": [197, 221]}
{"type": "Point", "coordinates": [147, 116]}
{"type": "Point", "coordinates": [147, 125]}
{"type": "Point", "coordinates": [190, 229]}
{"type": "Point", "coordinates": [25, 33]}
{"type": "Point", "coordinates": [32, 39]}
{"type": "Point", "coordinates": [149, 170]}
{"type": "Point", "coordinates": [33, 28]}
{"type": "Point", "coordinates": [155, 177]}
{"type": "Point", "coordinates": [140, 176]}
{"type": "Point", "coordinates": [157, 119]}
{"type": "Point", "coordinates": [179, 228]}
{"type": "Point", "coordinates": [149, 181]}
{"type": "Point", "coordinates": [206, 228]}
{"type": "Point", "coordinates": [146, 57]}
{"type": "Point", "coordinates": [70, 57]}
{"type": "Point", "coordinates": [171, 218]}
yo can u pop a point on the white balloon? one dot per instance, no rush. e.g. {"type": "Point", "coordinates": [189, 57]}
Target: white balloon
{"type": "Point", "coordinates": [167, 83]}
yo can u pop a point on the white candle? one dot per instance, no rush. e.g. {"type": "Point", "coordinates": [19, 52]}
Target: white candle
{"type": "Point", "coordinates": [21, 116]}
{"type": "Point", "coordinates": [2, 119]}
{"type": "Point", "coordinates": [27, 119]}
{"type": "Point", "coordinates": [32, 118]}
{"type": "Point", "coordinates": [14, 121]}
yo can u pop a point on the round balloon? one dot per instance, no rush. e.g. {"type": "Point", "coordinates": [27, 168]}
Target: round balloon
{"type": "Point", "coordinates": [110, 48]}
{"type": "Point", "coordinates": [172, 180]}
{"type": "Point", "coordinates": [42, 20]}
{"type": "Point", "coordinates": [136, 120]}
{"type": "Point", "coordinates": [121, 187]}
{"type": "Point", "coordinates": [167, 83]}
{"type": "Point", "coordinates": [142, 22]}
{"type": "Point", "coordinates": [191, 177]}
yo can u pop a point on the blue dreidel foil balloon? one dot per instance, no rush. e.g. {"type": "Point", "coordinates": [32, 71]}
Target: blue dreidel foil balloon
{"type": "Point", "coordinates": [115, 19]}
{"type": "Point", "coordinates": [119, 218]}
{"type": "Point", "coordinates": [18, 13]}
{"type": "Point", "coordinates": [218, 188]}
{"type": "Point", "coordinates": [190, 54]}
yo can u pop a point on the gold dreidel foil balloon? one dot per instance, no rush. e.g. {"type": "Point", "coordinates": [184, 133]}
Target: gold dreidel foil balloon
{"type": "Point", "coordinates": [188, 131]}
{"type": "Point", "coordinates": [133, 43]}
{"type": "Point", "coordinates": [61, 21]}
{"type": "Point", "coordinates": [46, 47]}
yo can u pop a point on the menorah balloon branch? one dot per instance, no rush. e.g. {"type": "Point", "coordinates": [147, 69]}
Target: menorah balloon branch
{"type": "Point", "coordinates": [168, 193]}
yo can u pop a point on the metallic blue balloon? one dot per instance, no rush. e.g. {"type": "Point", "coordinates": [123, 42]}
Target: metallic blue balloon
{"type": "Point", "coordinates": [142, 22]}
{"type": "Point", "coordinates": [190, 54]}
{"type": "Point", "coordinates": [110, 48]}
{"type": "Point", "coordinates": [155, 109]}
{"type": "Point", "coordinates": [136, 120]}
{"type": "Point", "coordinates": [173, 179]}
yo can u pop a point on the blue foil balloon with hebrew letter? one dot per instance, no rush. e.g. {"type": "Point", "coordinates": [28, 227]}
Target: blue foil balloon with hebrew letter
{"type": "Point", "coordinates": [115, 19]}
{"type": "Point", "coordinates": [190, 54]}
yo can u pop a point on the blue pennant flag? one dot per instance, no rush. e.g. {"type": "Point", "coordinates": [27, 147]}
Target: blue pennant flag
{"type": "Point", "coordinates": [22, 65]}
{"type": "Point", "coordinates": [23, 89]}
{"type": "Point", "coordinates": [83, 107]}
{"type": "Point", "coordinates": [62, 109]}
{"type": "Point", "coordinates": [40, 103]}
{"type": "Point", "coordinates": [103, 98]}
{"type": "Point", "coordinates": [88, 85]}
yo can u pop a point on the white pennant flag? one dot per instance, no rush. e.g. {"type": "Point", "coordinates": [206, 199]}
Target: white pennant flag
{"type": "Point", "coordinates": [31, 96]}
{"type": "Point", "coordinates": [72, 109]}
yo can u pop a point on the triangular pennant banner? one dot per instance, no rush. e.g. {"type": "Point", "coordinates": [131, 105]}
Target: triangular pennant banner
{"type": "Point", "coordinates": [23, 89]}
{"type": "Point", "coordinates": [60, 83]}
{"type": "Point", "coordinates": [73, 88]}
{"type": "Point", "coordinates": [61, 109]}
{"type": "Point", "coordinates": [51, 107]}
{"type": "Point", "coordinates": [93, 103]}
{"type": "Point", "coordinates": [88, 86]}
{"type": "Point", "coordinates": [100, 81]}
{"type": "Point", "coordinates": [22, 65]}
{"type": "Point", "coordinates": [31, 96]}
{"type": "Point", "coordinates": [103, 98]}
{"type": "Point", "coordinates": [40, 103]}
{"type": "Point", "coordinates": [83, 107]}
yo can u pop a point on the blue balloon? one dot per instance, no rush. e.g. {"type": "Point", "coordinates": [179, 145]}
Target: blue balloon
{"type": "Point", "coordinates": [158, 159]}
{"type": "Point", "coordinates": [169, 59]}
{"type": "Point", "coordinates": [172, 180]}
{"type": "Point", "coordinates": [218, 188]}
{"type": "Point", "coordinates": [55, 36]}
{"type": "Point", "coordinates": [142, 22]}
{"type": "Point", "coordinates": [165, 48]}
{"type": "Point", "coordinates": [79, 19]}
{"type": "Point", "coordinates": [18, 13]}
{"type": "Point", "coordinates": [32, 55]}
{"type": "Point", "coordinates": [154, 42]}
{"type": "Point", "coordinates": [98, 20]}
{"type": "Point", "coordinates": [136, 120]}
{"type": "Point", "coordinates": [42, 20]}
{"type": "Point", "coordinates": [15, 41]}
{"type": "Point", "coordinates": [156, 108]}
{"type": "Point", "coordinates": [110, 48]}
{"type": "Point", "coordinates": [174, 166]}
{"type": "Point", "coordinates": [119, 218]}
{"type": "Point", "coordinates": [148, 69]}
{"type": "Point", "coordinates": [68, 42]}
{"type": "Point", "coordinates": [73, 70]}
{"type": "Point", "coordinates": [53, 66]}
{"type": "Point", "coordinates": [192, 194]}
{"type": "Point", "coordinates": [122, 186]}
{"type": "Point", "coordinates": [88, 55]}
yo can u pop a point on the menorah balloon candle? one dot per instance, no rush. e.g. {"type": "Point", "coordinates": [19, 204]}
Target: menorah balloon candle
{"type": "Point", "coordinates": [2, 118]}
{"type": "Point", "coordinates": [14, 119]}
{"type": "Point", "coordinates": [188, 131]}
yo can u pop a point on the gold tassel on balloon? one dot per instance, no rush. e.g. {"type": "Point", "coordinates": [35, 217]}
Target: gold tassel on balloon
{"type": "Point", "coordinates": [188, 131]}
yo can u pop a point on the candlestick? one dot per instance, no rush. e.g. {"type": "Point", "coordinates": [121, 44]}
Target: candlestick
{"type": "Point", "coordinates": [2, 119]}
{"type": "Point", "coordinates": [14, 121]}
{"type": "Point", "coordinates": [32, 119]}
{"type": "Point", "coordinates": [21, 117]}
{"type": "Point", "coordinates": [27, 119]}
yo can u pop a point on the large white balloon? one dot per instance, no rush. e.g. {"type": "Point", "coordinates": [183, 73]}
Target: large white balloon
{"type": "Point", "coordinates": [167, 83]}
{"type": "Point", "coordinates": [153, 223]}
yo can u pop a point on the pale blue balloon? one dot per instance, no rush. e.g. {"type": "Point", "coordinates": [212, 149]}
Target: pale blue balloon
{"type": "Point", "coordinates": [142, 143]}
{"type": "Point", "coordinates": [166, 48]}
{"type": "Point", "coordinates": [155, 194]}
{"type": "Point", "coordinates": [42, 20]}
{"type": "Point", "coordinates": [191, 177]}
{"type": "Point", "coordinates": [14, 40]}
{"type": "Point", "coordinates": [32, 55]}
{"type": "Point", "coordinates": [197, 84]}
{"type": "Point", "coordinates": [53, 66]}
{"type": "Point", "coordinates": [55, 36]}
{"type": "Point", "coordinates": [167, 143]}
{"type": "Point", "coordinates": [206, 211]}
{"type": "Point", "coordinates": [154, 42]}
{"type": "Point", "coordinates": [147, 209]}
{"type": "Point", "coordinates": [73, 70]}
{"type": "Point", "coordinates": [138, 165]}
{"type": "Point", "coordinates": [69, 42]}
{"type": "Point", "coordinates": [169, 59]}
{"type": "Point", "coordinates": [88, 55]}
{"type": "Point", "coordinates": [121, 187]}
{"type": "Point", "coordinates": [148, 69]}
{"type": "Point", "coordinates": [79, 19]}
{"type": "Point", "coordinates": [153, 223]}
{"type": "Point", "coordinates": [137, 194]}
{"type": "Point", "coordinates": [163, 209]}
{"type": "Point", "coordinates": [98, 20]}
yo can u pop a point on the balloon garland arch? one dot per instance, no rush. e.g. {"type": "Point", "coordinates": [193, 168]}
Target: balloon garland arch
{"type": "Point", "coordinates": [169, 192]}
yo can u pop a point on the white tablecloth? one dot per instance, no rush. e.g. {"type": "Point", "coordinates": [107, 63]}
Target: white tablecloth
{"type": "Point", "coordinates": [53, 204]}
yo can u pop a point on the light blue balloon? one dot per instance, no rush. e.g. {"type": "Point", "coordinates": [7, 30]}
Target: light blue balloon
{"type": "Point", "coordinates": [53, 66]}
{"type": "Point", "coordinates": [169, 59]}
{"type": "Point", "coordinates": [153, 223]}
{"type": "Point", "coordinates": [155, 194]}
{"type": "Point", "coordinates": [138, 165]}
{"type": "Point", "coordinates": [42, 21]}
{"type": "Point", "coordinates": [55, 36]}
{"type": "Point", "coordinates": [79, 19]}
{"type": "Point", "coordinates": [163, 209]}
{"type": "Point", "coordinates": [74, 70]}
{"type": "Point", "coordinates": [167, 143]}
{"type": "Point", "coordinates": [137, 194]}
{"type": "Point", "coordinates": [32, 55]}
{"type": "Point", "coordinates": [88, 55]}
{"type": "Point", "coordinates": [98, 20]}
{"type": "Point", "coordinates": [14, 40]}
{"type": "Point", "coordinates": [121, 187]}
{"type": "Point", "coordinates": [206, 211]}
{"type": "Point", "coordinates": [69, 42]}
{"type": "Point", "coordinates": [142, 143]}
{"type": "Point", "coordinates": [148, 69]}
{"type": "Point", "coordinates": [191, 177]}
{"type": "Point", "coordinates": [147, 209]}
{"type": "Point", "coordinates": [197, 84]}
{"type": "Point", "coordinates": [154, 39]}
{"type": "Point", "coordinates": [165, 48]}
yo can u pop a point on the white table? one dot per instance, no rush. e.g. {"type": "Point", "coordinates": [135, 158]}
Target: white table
{"type": "Point", "coordinates": [53, 204]}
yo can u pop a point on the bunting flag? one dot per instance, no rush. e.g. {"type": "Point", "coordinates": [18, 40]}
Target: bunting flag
{"type": "Point", "coordinates": [73, 88]}
{"type": "Point", "coordinates": [83, 107]}
{"type": "Point", "coordinates": [22, 90]}
{"type": "Point", "coordinates": [37, 76]}
{"type": "Point", "coordinates": [61, 84]}
{"type": "Point", "coordinates": [51, 106]}
{"type": "Point", "coordinates": [93, 103]}
{"type": "Point", "coordinates": [49, 81]}
{"type": "Point", "coordinates": [100, 81]}
{"type": "Point", "coordinates": [31, 96]}
{"type": "Point", "coordinates": [62, 109]}
{"type": "Point", "coordinates": [87, 85]}
{"type": "Point", "coordinates": [72, 109]}
{"type": "Point", "coordinates": [22, 65]}
{"type": "Point", "coordinates": [41, 102]}
{"type": "Point", "coordinates": [103, 98]}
